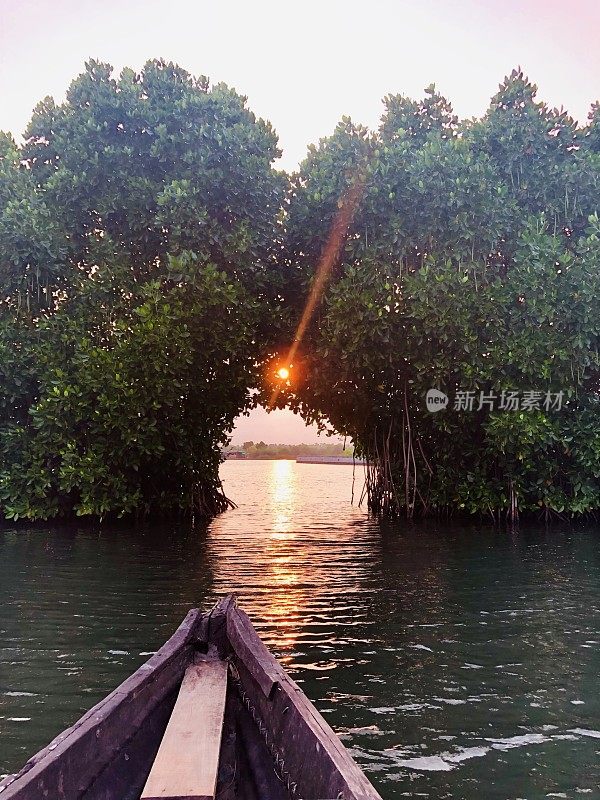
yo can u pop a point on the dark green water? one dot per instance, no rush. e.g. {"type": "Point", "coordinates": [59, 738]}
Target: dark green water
{"type": "Point", "coordinates": [455, 663]}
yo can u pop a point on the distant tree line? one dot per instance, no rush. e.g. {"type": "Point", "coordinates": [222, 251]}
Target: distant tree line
{"type": "Point", "coordinates": [261, 450]}
{"type": "Point", "coordinates": [154, 265]}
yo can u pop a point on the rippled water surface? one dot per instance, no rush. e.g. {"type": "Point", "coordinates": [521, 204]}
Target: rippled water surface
{"type": "Point", "coordinates": [454, 663]}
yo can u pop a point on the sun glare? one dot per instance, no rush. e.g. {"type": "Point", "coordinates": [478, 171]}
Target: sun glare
{"type": "Point", "coordinates": [283, 373]}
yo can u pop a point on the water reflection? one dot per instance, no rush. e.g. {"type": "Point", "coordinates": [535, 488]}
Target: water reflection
{"type": "Point", "coordinates": [455, 663]}
{"type": "Point", "coordinates": [297, 564]}
{"type": "Point", "coordinates": [282, 496]}
{"type": "Point", "coordinates": [282, 577]}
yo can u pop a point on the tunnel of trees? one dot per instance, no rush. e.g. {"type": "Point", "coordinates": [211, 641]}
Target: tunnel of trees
{"type": "Point", "coordinates": [154, 263]}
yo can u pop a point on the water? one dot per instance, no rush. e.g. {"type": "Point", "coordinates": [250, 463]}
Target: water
{"type": "Point", "coordinates": [455, 663]}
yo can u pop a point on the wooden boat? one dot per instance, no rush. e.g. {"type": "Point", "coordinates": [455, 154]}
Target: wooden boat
{"type": "Point", "coordinates": [211, 715]}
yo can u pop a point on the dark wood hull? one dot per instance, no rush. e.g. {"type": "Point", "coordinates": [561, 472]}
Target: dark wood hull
{"type": "Point", "coordinates": [275, 745]}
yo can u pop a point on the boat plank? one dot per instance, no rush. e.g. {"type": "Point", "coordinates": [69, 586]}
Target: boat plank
{"type": "Point", "coordinates": [187, 762]}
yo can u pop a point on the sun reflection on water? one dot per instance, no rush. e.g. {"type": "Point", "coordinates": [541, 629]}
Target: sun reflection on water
{"type": "Point", "coordinates": [288, 564]}
{"type": "Point", "coordinates": [282, 493]}
{"type": "Point", "coordinates": [283, 574]}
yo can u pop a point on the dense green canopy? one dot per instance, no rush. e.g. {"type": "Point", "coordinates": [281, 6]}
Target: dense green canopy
{"type": "Point", "coordinates": [152, 262]}
{"type": "Point", "coordinates": [139, 225]}
{"type": "Point", "coordinates": [472, 264]}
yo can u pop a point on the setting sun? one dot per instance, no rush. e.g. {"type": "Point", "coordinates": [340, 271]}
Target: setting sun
{"type": "Point", "coordinates": [283, 373]}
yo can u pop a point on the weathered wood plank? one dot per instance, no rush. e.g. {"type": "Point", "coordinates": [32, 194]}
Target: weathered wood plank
{"type": "Point", "coordinates": [187, 762]}
{"type": "Point", "coordinates": [249, 648]}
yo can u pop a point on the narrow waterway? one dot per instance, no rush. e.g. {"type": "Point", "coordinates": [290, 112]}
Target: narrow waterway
{"type": "Point", "coordinates": [455, 663]}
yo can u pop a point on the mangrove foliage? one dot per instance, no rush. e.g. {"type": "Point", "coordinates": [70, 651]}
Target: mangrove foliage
{"type": "Point", "coordinates": [155, 265]}
{"type": "Point", "coordinates": [139, 226]}
{"type": "Point", "coordinates": [472, 267]}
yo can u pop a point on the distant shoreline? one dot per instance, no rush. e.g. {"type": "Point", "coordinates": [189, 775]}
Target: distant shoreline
{"type": "Point", "coordinates": [263, 458]}
{"type": "Point", "coordinates": [343, 460]}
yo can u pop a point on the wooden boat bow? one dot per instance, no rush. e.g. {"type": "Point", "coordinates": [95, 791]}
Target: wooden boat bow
{"type": "Point", "coordinates": [272, 742]}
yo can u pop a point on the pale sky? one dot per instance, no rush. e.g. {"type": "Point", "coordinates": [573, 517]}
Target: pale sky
{"type": "Point", "coordinates": [305, 64]}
